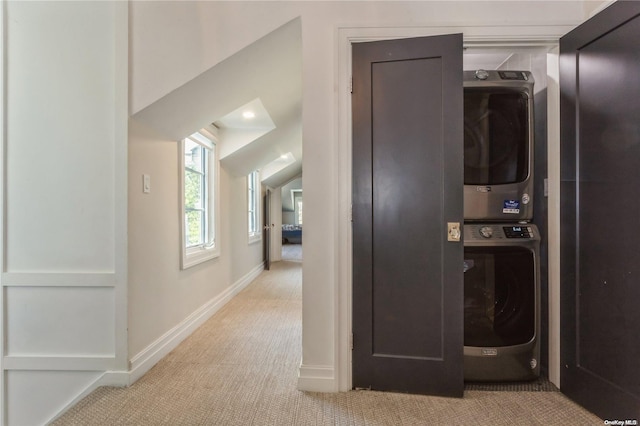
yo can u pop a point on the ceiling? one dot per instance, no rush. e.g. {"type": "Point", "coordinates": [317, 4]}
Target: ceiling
{"type": "Point", "coordinates": [264, 77]}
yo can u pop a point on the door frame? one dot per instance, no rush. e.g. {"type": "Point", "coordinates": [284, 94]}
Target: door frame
{"type": "Point", "coordinates": [267, 230]}
{"type": "Point", "coordinates": [494, 36]}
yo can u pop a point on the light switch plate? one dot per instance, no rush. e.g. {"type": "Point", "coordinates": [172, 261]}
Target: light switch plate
{"type": "Point", "coordinates": [146, 184]}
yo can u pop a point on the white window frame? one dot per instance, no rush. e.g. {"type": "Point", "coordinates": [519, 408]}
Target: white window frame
{"type": "Point", "coordinates": [254, 192]}
{"type": "Point", "coordinates": [210, 248]}
{"type": "Point", "coordinates": [298, 211]}
{"type": "Point", "coordinates": [297, 201]}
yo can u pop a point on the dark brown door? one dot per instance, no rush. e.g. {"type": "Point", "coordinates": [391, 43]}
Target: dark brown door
{"type": "Point", "coordinates": [267, 230]}
{"type": "Point", "coordinates": [600, 207]}
{"type": "Point", "coordinates": [407, 185]}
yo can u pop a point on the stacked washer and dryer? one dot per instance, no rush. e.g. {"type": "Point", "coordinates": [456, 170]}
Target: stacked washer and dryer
{"type": "Point", "coordinates": [501, 245]}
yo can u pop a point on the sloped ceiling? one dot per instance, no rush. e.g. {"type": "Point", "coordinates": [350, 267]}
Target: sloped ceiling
{"type": "Point", "coordinates": [269, 70]}
{"type": "Point", "coordinates": [287, 194]}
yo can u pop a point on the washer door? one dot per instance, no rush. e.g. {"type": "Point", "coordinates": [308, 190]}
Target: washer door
{"type": "Point", "coordinates": [499, 296]}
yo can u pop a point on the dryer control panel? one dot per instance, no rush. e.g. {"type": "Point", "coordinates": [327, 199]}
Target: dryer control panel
{"type": "Point", "coordinates": [500, 232]}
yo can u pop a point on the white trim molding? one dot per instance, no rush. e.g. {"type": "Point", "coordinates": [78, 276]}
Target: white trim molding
{"type": "Point", "coordinates": [3, 215]}
{"type": "Point", "coordinates": [553, 174]}
{"type": "Point", "coordinates": [58, 279]}
{"type": "Point", "coordinates": [317, 378]}
{"type": "Point", "coordinates": [59, 363]}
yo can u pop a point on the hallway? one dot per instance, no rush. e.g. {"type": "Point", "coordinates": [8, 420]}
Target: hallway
{"type": "Point", "coordinates": [241, 361]}
{"type": "Point", "coordinates": [240, 368]}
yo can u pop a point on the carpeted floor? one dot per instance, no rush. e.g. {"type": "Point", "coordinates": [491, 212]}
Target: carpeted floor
{"type": "Point", "coordinates": [240, 368]}
{"type": "Point", "coordinates": [292, 252]}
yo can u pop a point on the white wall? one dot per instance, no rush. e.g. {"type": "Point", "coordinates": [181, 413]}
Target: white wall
{"type": "Point", "coordinates": [177, 30]}
{"type": "Point", "coordinates": [165, 302]}
{"type": "Point", "coordinates": [64, 248]}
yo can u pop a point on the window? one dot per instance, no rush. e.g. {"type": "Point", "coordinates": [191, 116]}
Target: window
{"type": "Point", "coordinates": [199, 198]}
{"type": "Point", "coordinates": [296, 195]}
{"type": "Point", "coordinates": [253, 203]}
{"type": "Point", "coordinates": [299, 211]}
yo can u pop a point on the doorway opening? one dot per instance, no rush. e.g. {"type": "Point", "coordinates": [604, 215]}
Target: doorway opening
{"type": "Point", "coordinates": [292, 220]}
{"type": "Point", "coordinates": [538, 55]}
{"type": "Point", "coordinates": [534, 60]}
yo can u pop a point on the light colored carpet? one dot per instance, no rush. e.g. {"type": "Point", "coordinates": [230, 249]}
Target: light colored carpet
{"type": "Point", "coordinates": [292, 252]}
{"type": "Point", "coordinates": [240, 368]}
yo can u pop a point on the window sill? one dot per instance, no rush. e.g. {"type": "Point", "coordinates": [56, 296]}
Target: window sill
{"type": "Point", "coordinates": [195, 256]}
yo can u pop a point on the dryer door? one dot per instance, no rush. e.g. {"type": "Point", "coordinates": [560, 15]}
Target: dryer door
{"type": "Point", "coordinates": [496, 136]}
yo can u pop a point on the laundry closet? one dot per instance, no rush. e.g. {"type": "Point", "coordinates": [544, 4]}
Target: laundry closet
{"type": "Point", "coordinates": [505, 214]}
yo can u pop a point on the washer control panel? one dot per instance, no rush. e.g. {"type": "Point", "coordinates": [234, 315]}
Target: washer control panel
{"type": "Point", "coordinates": [518, 231]}
{"type": "Point", "coordinates": [500, 231]}
{"type": "Point", "coordinates": [486, 231]}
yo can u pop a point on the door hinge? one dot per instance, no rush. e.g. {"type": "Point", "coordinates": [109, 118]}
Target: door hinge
{"type": "Point", "coordinates": [351, 85]}
{"type": "Point", "coordinates": [351, 341]}
{"type": "Point", "coordinates": [351, 213]}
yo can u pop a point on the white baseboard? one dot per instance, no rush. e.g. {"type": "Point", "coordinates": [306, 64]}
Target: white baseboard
{"type": "Point", "coordinates": [317, 378]}
{"type": "Point", "coordinates": [147, 358]}
{"type": "Point", "coordinates": [119, 379]}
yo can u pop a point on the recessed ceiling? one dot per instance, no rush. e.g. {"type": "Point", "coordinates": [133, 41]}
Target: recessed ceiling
{"type": "Point", "coordinates": [250, 116]}
{"type": "Point", "coordinates": [277, 165]}
{"type": "Point", "coordinates": [242, 126]}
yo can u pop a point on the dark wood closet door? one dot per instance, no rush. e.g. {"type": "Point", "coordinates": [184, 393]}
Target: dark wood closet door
{"type": "Point", "coordinates": [407, 184]}
{"type": "Point", "coordinates": [600, 211]}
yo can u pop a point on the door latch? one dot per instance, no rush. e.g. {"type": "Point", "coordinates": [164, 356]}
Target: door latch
{"type": "Point", "coordinates": [453, 231]}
